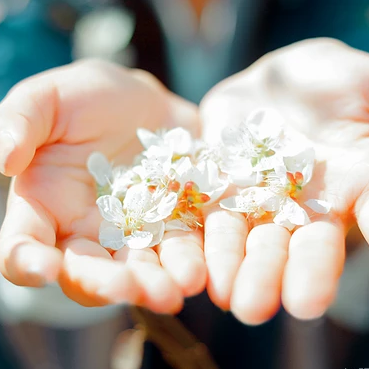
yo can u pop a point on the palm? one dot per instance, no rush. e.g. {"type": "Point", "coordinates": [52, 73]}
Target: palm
{"type": "Point", "coordinates": [88, 107]}
{"type": "Point", "coordinates": [318, 88]}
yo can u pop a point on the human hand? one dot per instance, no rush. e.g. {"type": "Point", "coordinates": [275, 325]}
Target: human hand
{"type": "Point", "coordinates": [321, 89]}
{"type": "Point", "coordinates": [50, 124]}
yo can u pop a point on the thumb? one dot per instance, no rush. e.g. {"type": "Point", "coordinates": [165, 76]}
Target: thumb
{"type": "Point", "coordinates": [26, 121]}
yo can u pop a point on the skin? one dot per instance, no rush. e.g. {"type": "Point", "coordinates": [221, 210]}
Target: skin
{"type": "Point", "coordinates": [51, 227]}
{"type": "Point", "coordinates": [320, 87]}
{"type": "Point", "coordinates": [50, 231]}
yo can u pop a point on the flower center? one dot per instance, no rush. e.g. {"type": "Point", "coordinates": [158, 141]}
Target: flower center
{"type": "Point", "coordinates": [295, 184]}
{"type": "Point", "coordinates": [189, 203]}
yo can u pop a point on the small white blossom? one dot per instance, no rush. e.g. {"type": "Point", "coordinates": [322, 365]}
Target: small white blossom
{"type": "Point", "coordinates": [300, 162]}
{"type": "Point", "coordinates": [249, 201]}
{"type": "Point", "coordinates": [252, 147]}
{"type": "Point", "coordinates": [178, 140]}
{"type": "Point", "coordinates": [111, 181]}
{"type": "Point", "coordinates": [290, 214]}
{"type": "Point", "coordinates": [156, 165]}
{"type": "Point", "coordinates": [205, 175]}
{"type": "Point", "coordinates": [138, 222]}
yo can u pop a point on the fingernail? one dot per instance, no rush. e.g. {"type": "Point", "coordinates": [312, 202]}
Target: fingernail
{"type": "Point", "coordinates": [7, 145]}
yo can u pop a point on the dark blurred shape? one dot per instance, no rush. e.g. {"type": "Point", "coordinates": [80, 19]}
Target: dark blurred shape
{"type": "Point", "coordinates": [62, 15]}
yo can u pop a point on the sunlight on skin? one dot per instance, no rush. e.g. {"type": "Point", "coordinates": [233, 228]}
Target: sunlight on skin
{"type": "Point", "coordinates": [50, 232]}
{"type": "Point", "coordinates": [65, 114]}
{"type": "Point", "coordinates": [319, 87]}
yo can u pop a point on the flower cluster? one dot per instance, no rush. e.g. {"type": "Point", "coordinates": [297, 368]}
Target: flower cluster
{"type": "Point", "coordinates": [176, 176]}
{"type": "Point", "coordinates": [272, 168]}
{"type": "Point", "coordinates": [164, 191]}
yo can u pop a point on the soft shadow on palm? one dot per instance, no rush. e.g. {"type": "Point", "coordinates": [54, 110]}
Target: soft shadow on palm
{"type": "Point", "coordinates": [318, 86]}
{"type": "Point", "coordinates": [67, 114]}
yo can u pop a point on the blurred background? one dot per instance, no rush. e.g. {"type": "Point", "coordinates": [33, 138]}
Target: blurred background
{"type": "Point", "coordinates": [190, 45]}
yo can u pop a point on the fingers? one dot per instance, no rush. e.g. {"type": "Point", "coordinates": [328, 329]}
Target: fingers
{"type": "Point", "coordinates": [26, 120]}
{"type": "Point", "coordinates": [181, 255]}
{"type": "Point", "coordinates": [27, 239]}
{"type": "Point", "coordinates": [159, 291]}
{"type": "Point", "coordinates": [225, 239]}
{"type": "Point", "coordinates": [92, 277]}
{"type": "Point", "coordinates": [315, 263]}
{"type": "Point", "coordinates": [257, 289]}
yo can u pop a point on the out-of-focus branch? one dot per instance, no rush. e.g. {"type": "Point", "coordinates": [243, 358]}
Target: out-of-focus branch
{"type": "Point", "coordinates": [179, 347]}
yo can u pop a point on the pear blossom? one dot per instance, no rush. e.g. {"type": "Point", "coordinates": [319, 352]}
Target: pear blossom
{"type": "Point", "coordinates": [138, 221]}
{"type": "Point", "coordinates": [199, 185]}
{"type": "Point", "coordinates": [110, 181]}
{"type": "Point", "coordinates": [178, 140]}
{"type": "Point", "coordinates": [249, 201]}
{"type": "Point", "coordinates": [175, 177]}
{"type": "Point", "coordinates": [205, 175]}
{"type": "Point", "coordinates": [290, 214]}
{"type": "Point", "coordinates": [252, 147]}
{"type": "Point", "coordinates": [156, 166]}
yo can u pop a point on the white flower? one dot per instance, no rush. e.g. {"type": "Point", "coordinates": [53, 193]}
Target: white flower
{"type": "Point", "coordinates": [155, 168]}
{"type": "Point", "coordinates": [114, 181]}
{"type": "Point", "coordinates": [249, 201]}
{"type": "Point", "coordinates": [178, 140]}
{"type": "Point", "coordinates": [257, 201]}
{"type": "Point", "coordinates": [138, 222]}
{"type": "Point", "coordinates": [252, 147]}
{"type": "Point", "coordinates": [205, 175]}
{"type": "Point", "coordinates": [301, 162]}
{"type": "Point", "coordinates": [198, 186]}
{"type": "Point", "coordinates": [260, 134]}
{"type": "Point", "coordinates": [290, 214]}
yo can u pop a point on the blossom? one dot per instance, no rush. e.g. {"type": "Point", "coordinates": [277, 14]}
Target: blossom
{"type": "Point", "coordinates": [290, 214]}
{"type": "Point", "coordinates": [178, 140]}
{"type": "Point", "coordinates": [258, 201]}
{"type": "Point", "coordinates": [282, 186]}
{"type": "Point", "coordinates": [110, 181]}
{"type": "Point", "coordinates": [249, 201]}
{"type": "Point", "coordinates": [252, 147]}
{"type": "Point", "coordinates": [138, 221]}
{"type": "Point", "coordinates": [199, 185]}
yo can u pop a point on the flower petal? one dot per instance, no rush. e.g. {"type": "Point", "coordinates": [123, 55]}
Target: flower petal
{"type": "Point", "coordinates": [302, 162]}
{"type": "Point", "coordinates": [269, 123]}
{"type": "Point", "coordinates": [235, 203]}
{"type": "Point", "coordinates": [110, 236]}
{"type": "Point", "coordinates": [138, 240]}
{"type": "Point", "coordinates": [99, 167]}
{"type": "Point", "coordinates": [148, 138]}
{"type": "Point", "coordinates": [319, 206]}
{"type": "Point", "coordinates": [157, 230]}
{"type": "Point", "coordinates": [167, 204]}
{"type": "Point", "coordinates": [177, 225]}
{"type": "Point", "coordinates": [138, 197]}
{"type": "Point", "coordinates": [293, 212]}
{"type": "Point", "coordinates": [179, 140]}
{"type": "Point", "coordinates": [110, 208]}
{"type": "Point", "coordinates": [280, 220]}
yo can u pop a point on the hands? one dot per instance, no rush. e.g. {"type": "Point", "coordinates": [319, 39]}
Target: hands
{"type": "Point", "coordinates": [51, 123]}
{"type": "Point", "coordinates": [320, 87]}
{"type": "Point", "coordinates": [51, 227]}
